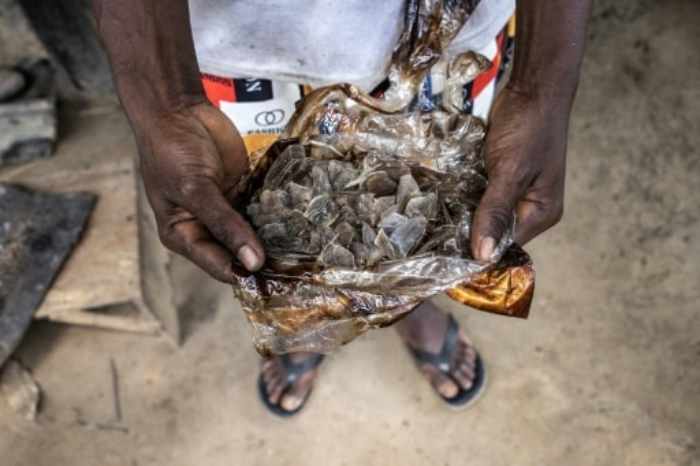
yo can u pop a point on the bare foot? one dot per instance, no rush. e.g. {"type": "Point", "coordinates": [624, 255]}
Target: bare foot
{"type": "Point", "coordinates": [280, 391]}
{"type": "Point", "coordinates": [425, 329]}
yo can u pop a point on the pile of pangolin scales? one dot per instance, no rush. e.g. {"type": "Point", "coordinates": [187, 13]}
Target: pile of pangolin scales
{"type": "Point", "coordinates": [358, 213]}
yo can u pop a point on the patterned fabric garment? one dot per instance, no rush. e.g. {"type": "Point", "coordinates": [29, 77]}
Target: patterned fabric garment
{"type": "Point", "coordinates": [261, 108]}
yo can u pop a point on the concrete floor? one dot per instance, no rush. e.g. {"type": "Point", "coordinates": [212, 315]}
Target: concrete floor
{"type": "Point", "coordinates": [605, 372]}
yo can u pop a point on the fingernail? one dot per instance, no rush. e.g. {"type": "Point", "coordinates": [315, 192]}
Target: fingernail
{"type": "Point", "coordinates": [249, 258]}
{"type": "Point", "coordinates": [486, 248]}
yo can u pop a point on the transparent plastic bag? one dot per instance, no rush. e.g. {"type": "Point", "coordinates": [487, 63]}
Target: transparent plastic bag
{"type": "Point", "coordinates": [365, 208]}
{"type": "Point", "coordinates": [343, 259]}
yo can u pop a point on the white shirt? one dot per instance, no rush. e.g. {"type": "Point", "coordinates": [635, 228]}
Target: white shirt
{"type": "Point", "coordinates": [317, 41]}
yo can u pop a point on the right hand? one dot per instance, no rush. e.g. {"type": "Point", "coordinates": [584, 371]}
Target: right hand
{"type": "Point", "coordinates": [191, 159]}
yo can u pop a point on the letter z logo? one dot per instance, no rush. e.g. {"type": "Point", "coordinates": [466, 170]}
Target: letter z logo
{"type": "Point", "coordinates": [253, 90]}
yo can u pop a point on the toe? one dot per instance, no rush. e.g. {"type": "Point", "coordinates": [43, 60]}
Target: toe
{"type": "Point", "coordinates": [464, 378]}
{"type": "Point", "coordinates": [291, 402]}
{"type": "Point", "coordinates": [463, 363]}
{"type": "Point", "coordinates": [470, 356]}
{"type": "Point", "coordinates": [269, 376]}
{"type": "Point", "coordinates": [465, 354]}
{"type": "Point", "coordinates": [275, 389]}
{"type": "Point", "coordinates": [277, 386]}
{"type": "Point", "coordinates": [443, 384]}
{"type": "Point", "coordinates": [296, 394]}
{"type": "Point", "coordinates": [269, 366]}
{"type": "Point", "coordinates": [467, 371]}
{"type": "Point", "coordinates": [271, 381]}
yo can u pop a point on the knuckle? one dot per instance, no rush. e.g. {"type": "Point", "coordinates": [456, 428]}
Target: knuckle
{"type": "Point", "coordinates": [556, 214]}
{"type": "Point", "coordinates": [190, 188]}
{"type": "Point", "coordinates": [500, 219]}
{"type": "Point", "coordinates": [508, 190]}
{"type": "Point", "coordinates": [513, 173]}
{"type": "Point", "coordinates": [549, 217]}
{"type": "Point", "coordinates": [523, 180]}
{"type": "Point", "coordinates": [229, 234]}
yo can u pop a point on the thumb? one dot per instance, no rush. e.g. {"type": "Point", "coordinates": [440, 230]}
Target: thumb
{"type": "Point", "coordinates": [494, 216]}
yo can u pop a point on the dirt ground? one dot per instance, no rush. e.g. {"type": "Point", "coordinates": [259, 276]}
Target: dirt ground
{"type": "Point", "coordinates": [604, 373]}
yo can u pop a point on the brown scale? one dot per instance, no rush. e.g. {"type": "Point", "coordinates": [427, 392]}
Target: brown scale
{"type": "Point", "coordinates": [329, 208]}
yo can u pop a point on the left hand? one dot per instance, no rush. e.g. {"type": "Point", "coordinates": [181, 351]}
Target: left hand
{"type": "Point", "coordinates": [191, 160]}
{"type": "Point", "coordinates": [526, 164]}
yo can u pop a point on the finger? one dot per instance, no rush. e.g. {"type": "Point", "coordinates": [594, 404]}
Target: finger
{"type": "Point", "coordinates": [495, 214]}
{"type": "Point", "coordinates": [205, 201]}
{"type": "Point", "coordinates": [193, 241]}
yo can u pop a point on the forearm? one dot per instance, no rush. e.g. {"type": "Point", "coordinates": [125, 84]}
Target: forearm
{"type": "Point", "coordinates": [549, 47]}
{"type": "Point", "coordinates": [150, 48]}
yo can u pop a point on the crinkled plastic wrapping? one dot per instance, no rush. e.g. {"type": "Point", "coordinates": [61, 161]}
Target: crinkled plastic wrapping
{"type": "Point", "coordinates": [365, 209]}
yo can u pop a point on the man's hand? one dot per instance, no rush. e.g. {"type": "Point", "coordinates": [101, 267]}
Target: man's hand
{"type": "Point", "coordinates": [191, 155]}
{"type": "Point", "coordinates": [526, 143]}
{"type": "Point", "coordinates": [191, 159]}
{"type": "Point", "coordinates": [526, 162]}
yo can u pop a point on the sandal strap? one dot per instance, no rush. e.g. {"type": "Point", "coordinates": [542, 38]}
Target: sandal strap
{"type": "Point", "coordinates": [442, 361]}
{"type": "Point", "coordinates": [296, 369]}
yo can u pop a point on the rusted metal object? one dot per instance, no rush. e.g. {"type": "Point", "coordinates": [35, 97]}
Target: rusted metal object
{"type": "Point", "coordinates": [38, 230]}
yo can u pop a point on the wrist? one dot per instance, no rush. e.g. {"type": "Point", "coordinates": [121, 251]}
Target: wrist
{"type": "Point", "coordinates": [557, 92]}
{"type": "Point", "coordinates": [152, 55]}
{"type": "Point", "coordinates": [146, 99]}
{"type": "Point", "coordinates": [550, 41]}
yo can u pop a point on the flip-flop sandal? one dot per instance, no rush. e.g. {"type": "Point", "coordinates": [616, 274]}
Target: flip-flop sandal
{"type": "Point", "coordinates": [294, 373]}
{"type": "Point", "coordinates": [442, 361]}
